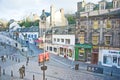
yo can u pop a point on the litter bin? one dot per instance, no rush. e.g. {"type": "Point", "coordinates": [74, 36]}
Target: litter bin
{"type": "Point", "coordinates": [76, 66]}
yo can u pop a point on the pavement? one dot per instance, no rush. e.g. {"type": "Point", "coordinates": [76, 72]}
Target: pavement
{"type": "Point", "coordinates": [58, 68]}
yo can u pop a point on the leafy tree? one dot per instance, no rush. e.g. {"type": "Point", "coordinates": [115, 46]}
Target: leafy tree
{"type": "Point", "coordinates": [29, 23]}
{"type": "Point", "coordinates": [71, 19]}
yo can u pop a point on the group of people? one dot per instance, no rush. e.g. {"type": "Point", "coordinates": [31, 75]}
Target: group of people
{"type": "Point", "coordinates": [22, 71]}
{"type": "Point", "coordinates": [3, 58]}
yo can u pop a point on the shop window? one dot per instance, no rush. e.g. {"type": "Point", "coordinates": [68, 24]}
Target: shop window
{"type": "Point", "coordinates": [70, 53]}
{"type": "Point", "coordinates": [119, 61]}
{"type": "Point", "coordinates": [114, 59]}
{"type": "Point", "coordinates": [107, 60]}
{"type": "Point", "coordinates": [55, 49]}
{"type": "Point", "coordinates": [81, 52]}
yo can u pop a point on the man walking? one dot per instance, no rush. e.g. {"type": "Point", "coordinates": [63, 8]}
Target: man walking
{"type": "Point", "coordinates": [23, 68]}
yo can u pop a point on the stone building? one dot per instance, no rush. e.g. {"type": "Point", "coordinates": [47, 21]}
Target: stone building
{"type": "Point", "coordinates": [99, 28]}
{"type": "Point", "coordinates": [49, 21]}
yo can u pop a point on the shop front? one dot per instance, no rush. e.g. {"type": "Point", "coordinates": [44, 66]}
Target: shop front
{"type": "Point", "coordinates": [110, 58]}
{"type": "Point", "coordinates": [66, 51]}
{"type": "Point", "coordinates": [95, 53]}
{"type": "Point", "coordinates": [83, 52]}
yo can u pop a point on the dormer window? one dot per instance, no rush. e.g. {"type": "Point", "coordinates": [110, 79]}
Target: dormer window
{"type": "Point", "coordinates": [116, 3]}
{"type": "Point", "coordinates": [102, 5]}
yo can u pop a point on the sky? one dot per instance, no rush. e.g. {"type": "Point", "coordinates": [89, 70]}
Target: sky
{"type": "Point", "coordinates": [18, 9]}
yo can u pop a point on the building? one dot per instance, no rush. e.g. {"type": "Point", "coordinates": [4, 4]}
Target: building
{"type": "Point", "coordinates": [62, 41]}
{"type": "Point", "coordinates": [50, 20]}
{"type": "Point", "coordinates": [99, 28]}
{"type": "Point", "coordinates": [29, 35]}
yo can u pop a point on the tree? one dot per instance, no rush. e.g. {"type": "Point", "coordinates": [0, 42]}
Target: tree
{"type": "Point", "coordinates": [70, 18]}
{"type": "Point", "coordinates": [29, 23]}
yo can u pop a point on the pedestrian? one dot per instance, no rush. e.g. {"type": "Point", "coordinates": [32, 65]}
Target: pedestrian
{"type": "Point", "coordinates": [2, 58]}
{"type": "Point", "coordinates": [21, 72]}
{"type": "Point", "coordinates": [27, 61]}
{"type": "Point", "coordinates": [23, 68]}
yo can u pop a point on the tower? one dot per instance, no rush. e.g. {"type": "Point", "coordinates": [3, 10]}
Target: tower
{"type": "Point", "coordinates": [52, 16]}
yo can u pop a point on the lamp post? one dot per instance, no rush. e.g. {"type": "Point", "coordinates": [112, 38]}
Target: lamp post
{"type": "Point", "coordinates": [44, 67]}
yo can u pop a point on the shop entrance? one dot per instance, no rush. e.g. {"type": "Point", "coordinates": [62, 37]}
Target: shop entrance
{"type": "Point", "coordinates": [94, 58]}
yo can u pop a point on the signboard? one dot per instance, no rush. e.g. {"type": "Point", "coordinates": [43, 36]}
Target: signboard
{"type": "Point", "coordinates": [43, 57]}
{"type": "Point", "coordinates": [110, 51]}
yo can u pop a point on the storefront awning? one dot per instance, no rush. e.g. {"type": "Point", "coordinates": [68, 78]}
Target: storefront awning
{"type": "Point", "coordinates": [83, 45]}
{"type": "Point", "coordinates": [38, 40]}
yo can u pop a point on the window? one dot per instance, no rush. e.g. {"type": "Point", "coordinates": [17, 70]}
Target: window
{"type": "Point", "coordinates": [95, 40]}
{"type": "Point", "coordinates": [95, 25]}
{"type": "Point", "coordinates": [62, 40]}
{"type": "Point", "coordinates": [58, 40]}
{"type": "Point", "coordinates": [108, 24]}
{"type": "Point", "coordinates": [47, 48]}
{"type": "Point", "coordinates": [114, 59]}
{"type": "Point", "coordinates": [50, 48]}
{"type": "Point", "coordinates": [82, 39]}
{"type": "Point", "coordinates": [107, 40]}
{"type": "Point", "coordinates": [119, 61]}
{"type": "Point", "coordinates": [29, 36]}
{"type": "Point", "coordinates": [107, 60]}
{"type": "Point", "coordinates": [54, 39]}
{"type": "Point", "coordinates": [35, 36]}
{"type": "Point", "coordinates": [55, 49]}
{"type": "Point", "coordinates": [81, 52]}
{"type": "Point", "coordinates": [67, 41]}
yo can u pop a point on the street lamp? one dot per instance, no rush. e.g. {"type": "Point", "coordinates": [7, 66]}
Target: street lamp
{"type": "Point", "coordinates": [44, 67]}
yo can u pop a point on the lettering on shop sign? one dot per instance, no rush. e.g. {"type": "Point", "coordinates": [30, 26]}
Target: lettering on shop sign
{"type": "Point", "coordinates": [114, 52]}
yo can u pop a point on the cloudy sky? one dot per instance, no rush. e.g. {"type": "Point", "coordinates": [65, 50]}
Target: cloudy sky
{"type": "Point", "coordinates": [18, 9]}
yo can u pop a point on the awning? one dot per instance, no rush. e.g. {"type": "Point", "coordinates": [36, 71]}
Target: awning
{"type": "Point", "coordinates": [39, 40]}
{"type": "Point", "coordinates": [83, 45]}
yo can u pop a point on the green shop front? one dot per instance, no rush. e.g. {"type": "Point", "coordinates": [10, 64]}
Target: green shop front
{"type": "Point", "coordinates": [83, 52]}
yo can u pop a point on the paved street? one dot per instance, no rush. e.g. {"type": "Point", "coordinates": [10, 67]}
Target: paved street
{"type": "Point", "coordinates": [58, 69]}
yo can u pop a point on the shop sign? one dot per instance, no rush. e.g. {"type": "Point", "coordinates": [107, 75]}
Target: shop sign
{"type": "Point", "coordinates": [114, 52]}
{"type": "Point", "coordinates": [111, 51]}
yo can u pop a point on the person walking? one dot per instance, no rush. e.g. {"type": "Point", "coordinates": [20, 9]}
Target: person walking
{"type": "Point", "coordinates": [21, 72]}
{"type": "Point", "coordinates": [27, 61]}
{"type": "Point", "coordinates": [23, 68]}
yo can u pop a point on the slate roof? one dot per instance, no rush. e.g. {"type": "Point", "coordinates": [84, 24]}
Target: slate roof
{"type": "Point", "coordinates": [62, 30]}
{"type": "Point", "coordinates": [29, 29]}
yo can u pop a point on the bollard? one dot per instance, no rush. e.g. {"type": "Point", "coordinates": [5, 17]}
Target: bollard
{"type": "Point", "coordinates": [33, 77]}
{"type": "Point", "coordinates": [0, 70]}
{"type": "Point", "coordinates": [11, 73]}
{"type": "Point", "coordinates": [9, 57]}
{"type": "Point", "coordinates": [3, 71]}
{"type": "Point", "coordinates": [12, 58]}
{"type": "Point", "coordinates": [16, 59]}
{"type": "Point", "coordinates": [19, 60]}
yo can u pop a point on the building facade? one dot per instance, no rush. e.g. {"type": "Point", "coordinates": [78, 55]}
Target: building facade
{"type": "Point", "coordinates": [100, 28]}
